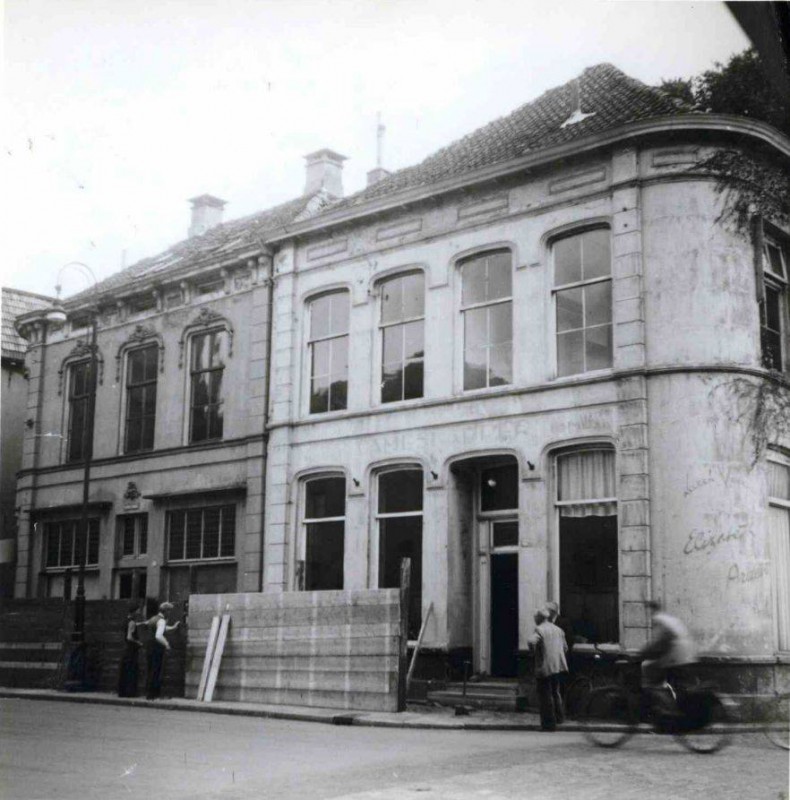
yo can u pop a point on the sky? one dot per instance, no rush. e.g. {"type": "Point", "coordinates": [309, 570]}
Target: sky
{"type": "Point", "coordinates": [117, 112]}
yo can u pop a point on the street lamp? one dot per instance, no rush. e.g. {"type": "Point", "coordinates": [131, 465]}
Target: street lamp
{"type": "Point", "coordinates": [75, 680]}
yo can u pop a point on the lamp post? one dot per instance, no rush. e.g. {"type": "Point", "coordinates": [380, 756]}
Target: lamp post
{"type": "Point", "coordinates": [75, 680]}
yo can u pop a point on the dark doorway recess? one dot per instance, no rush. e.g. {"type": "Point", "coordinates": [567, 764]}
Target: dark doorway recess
{"type": "Point", "coordinates": [504, 615]}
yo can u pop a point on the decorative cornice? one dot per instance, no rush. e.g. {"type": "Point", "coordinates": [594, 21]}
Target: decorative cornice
{"type": "Point", "coordinates": [140, 334]}
{"type": "Point", "coordinates": [206, 318]}
{"type": "Point", "coordinates": [80, 351]}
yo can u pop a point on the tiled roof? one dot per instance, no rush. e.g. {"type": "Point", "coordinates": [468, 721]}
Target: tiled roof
{"type": "Point", "coordinates": [220, 243]}
{"type": "Point", "coordinates": [16, 302]}
{"type": "Point", "coordinates": [608, 96]}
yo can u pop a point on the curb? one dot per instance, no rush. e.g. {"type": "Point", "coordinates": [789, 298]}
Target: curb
{"type": "Point", "coordinates": [364, 719]}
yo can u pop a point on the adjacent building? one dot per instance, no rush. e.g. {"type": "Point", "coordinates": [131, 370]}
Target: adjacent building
{"type": "Point", "coordinates": [529, 363]}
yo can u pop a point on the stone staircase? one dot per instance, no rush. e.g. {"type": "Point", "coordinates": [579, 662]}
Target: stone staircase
{"type": "Point", "coordinates": [491, 694]}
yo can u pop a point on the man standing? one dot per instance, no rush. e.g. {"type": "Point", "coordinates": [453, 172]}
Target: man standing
{"type": "Point", "coordinates": [550, 647]}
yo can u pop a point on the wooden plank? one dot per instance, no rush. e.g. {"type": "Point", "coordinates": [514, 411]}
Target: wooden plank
{"type": "Point", "coordinates": [419, 645]}
{"type": "Point", "coordinates": [216, 659]}
{"type": "Point", "coordinates": [405, 594]}
{"type": "Point", "coordinates": [210, 645]}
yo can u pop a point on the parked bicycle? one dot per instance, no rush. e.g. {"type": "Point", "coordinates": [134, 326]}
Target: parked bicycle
{"type": "Point", "coordinates": [777, 727]}
{"type": "Point", "coordinates": [693, 714]}
{"type": "Point", "coordinates": [579, 687]}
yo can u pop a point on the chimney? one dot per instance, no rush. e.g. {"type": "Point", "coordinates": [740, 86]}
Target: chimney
{"type": "Point", "coordinates": [324, 171]}
{"type": "Point", "coordinates": [206, 213]}
{"type": "Point", "coordinates": [376, 175]}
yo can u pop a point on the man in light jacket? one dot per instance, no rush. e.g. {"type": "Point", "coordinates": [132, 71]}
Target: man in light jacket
{"type": "Point", "coordinates": [550, 647]}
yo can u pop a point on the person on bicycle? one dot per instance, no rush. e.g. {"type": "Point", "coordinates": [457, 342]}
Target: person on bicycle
{"type": "Point", "coordinates": [670, 647]}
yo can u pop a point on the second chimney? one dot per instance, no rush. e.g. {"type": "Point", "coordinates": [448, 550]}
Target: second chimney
{"type": "Point", "coordinates": [324, 171]}
{"type": "Point", "coordinates": [206, 213]}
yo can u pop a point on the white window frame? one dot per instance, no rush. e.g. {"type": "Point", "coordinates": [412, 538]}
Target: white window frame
{"type": "Point", "coordinates": [308, 351]}
{"type": "Point", "coordinates": [187, 433]}
{"type": "Point", "coordinates": [777, 502]}
{"type": "Point", "coordinates": [555, 289]}
{"type": "Point", "coordinates": [304, 521]}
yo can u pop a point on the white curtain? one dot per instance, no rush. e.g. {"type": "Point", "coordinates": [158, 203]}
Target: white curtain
{"type": "Point", "coordinates": [778, 481]}
{"type": "Point", "coordinates": [779, 533]}
{"type": "Point", "coordinates": [585, 479]}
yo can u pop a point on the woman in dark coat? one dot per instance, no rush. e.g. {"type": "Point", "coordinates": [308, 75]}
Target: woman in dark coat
{"type": "Point", "coordinates": [129, 667]}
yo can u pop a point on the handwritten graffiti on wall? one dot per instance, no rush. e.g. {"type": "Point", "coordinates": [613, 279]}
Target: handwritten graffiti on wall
{"type": "Point", "coordinates": [707, 540]}
{"type": "Point", "coordinates": [739, 574]}
{"type": "Point", "coordinates": [725, 474]}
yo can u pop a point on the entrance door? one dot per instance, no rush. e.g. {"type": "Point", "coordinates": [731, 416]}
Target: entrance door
{"type": "Point", "coordinates": [504, 599]}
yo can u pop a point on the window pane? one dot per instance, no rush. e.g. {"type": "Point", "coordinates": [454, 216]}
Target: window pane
{"type": "Point", "coordinates": [392, 383]}
{"type": "Point", "coordinates": [125, 586]}
{"type": "Point", "coordinates": [475, 328]}
{"type": "Point", "coordinates": [473, 282]}
{"type": "Point", "coordinates": [176, 548]}
{"type": "Point", "coordinates": [499, 276]}
{"type": "Point", "coordinates": [93, 541]}
{"type": "Point", "coordinates": [67, 555]}
{"type": "Point", "coordinates": [228, 547]}
{"type": "Point", "coordinates": [475, 367]}
{"type": "Point", "coordinates": [500, 365]}
{"type": "Point", "coordinates": [505, 534]}
{"type": "Point", "coordinates": [413, 380]}
{"type": "Point", "coordinates": [598, 303]}
{"type": "Point", "coordinates": [499, 488]}
{"type": "Point", "coordinates": [324, 556]}
{"type": "Point", "coordinates": [567, 260]}
{"type": "Point", "coordinates": [199, 430]}
{"type": "Point", "coordinates": [77, 429]}
{"type": "Point", "coordinates": [392, 300]}
{"type": "Point", "coordinates": [596, 256]}
{"type": "Point", "coordinates": [215, 421]}
{"type": "Point", "coordinates": [136, 367]}
{"type": "Point", "coordinates": [319, 395]}
{"type": "Point", "coordinates": [200, 390]}
{"type": "Point", "coordinates": [413, 295]}
{"type": "Point", "coordinates": [194, 525]}
{"type": "Point", "coordinates": [151, 363]}
{"type": "Point", "coordinates": [135, 401]}
{"type": "Point", "coordinates": [338, 395]}
{"type": "Point", "coordinates": [771, 346]}
{"type": "Point", "coordinates": [570, 355]}
{"type": "Point", "coordinates": [339, 357]}
{"type": "Point", "coordinates": [774, 259]}
{"type": "Point", "coordinates": [79, 379]}
{"type": "Point", "coordinates": [320, 358]}
{"type": "Point", "coordinates": [127, 524]}
{"type": "Point", "coordinates": [393, 344]}
{"type": "Point", "coordinates": [399, 539]}
{"type": "Point", "coordinates": [199, 351]}
{"type": "Point", "coordinates": [211, 532]}
{"type": "Point", "coordinates": [773, 305]}
{"type": "Point", "coordinates": [413, 339]}
{"type": "Point", "coordinates": [53, 544]}
{"type": "Point", "coordinates": [217, 352]}
{"type": "Point", "coordinates": [319, 317]}
{"type": "Point", "coordinates": [400, 491]}
{"type": "Point", "coordinates": [599, 347]}
{"type": "Point", "coordinates": [325, 497]}
{"type": "Point", "coordinates": [134, 438]}
{"type": "Point", "coordinates": [586, 476]}
{"type": "Point", "coordinates": [500, 323]}
{"type": "Point", "coordinates": [215, 387]}
{"type": "Point", "coordinates": [339, 312]}
{"type": "Point", "coordinates": [142, 533]}
{"type": "Point", "coordinates": [778, 481]}
{"type": "Point", "coordinates": [569, 310]}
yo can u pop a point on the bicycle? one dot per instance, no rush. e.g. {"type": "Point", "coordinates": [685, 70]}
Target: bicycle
{"type": "Point", "coordinates": [695, 716]}
{"type": "Point", "coordinates": [777, 727]}
{"type": "Point", "coordinates": [579, 687]}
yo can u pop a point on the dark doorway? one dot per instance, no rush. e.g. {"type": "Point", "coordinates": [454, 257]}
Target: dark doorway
{"type": "Point", "coordinates": [504, 614]}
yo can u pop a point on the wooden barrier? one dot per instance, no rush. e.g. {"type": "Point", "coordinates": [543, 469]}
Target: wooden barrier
{"type": "Point", "coordinates": [334, 649]}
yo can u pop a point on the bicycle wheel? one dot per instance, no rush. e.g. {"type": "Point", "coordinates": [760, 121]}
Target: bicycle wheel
{"type": "Point", "coordinates": [610, 716]}
{"type": "Point", "coordinates": [576, 696]}
{"type": "Point", "coordinates": [706, 724]}
{"type": "Point", "coordinates": [777, 727]}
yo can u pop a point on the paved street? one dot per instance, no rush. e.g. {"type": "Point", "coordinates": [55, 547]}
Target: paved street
{"type": "Point", "coordinates": [64, 750]}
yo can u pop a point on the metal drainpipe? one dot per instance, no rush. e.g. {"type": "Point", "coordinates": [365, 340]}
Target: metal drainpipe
{"type": "Point", "coordinates": [268, 254]}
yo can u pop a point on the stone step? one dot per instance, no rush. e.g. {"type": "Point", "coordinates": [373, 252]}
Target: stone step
{"type": "Point", "coordinates": [493, 701]}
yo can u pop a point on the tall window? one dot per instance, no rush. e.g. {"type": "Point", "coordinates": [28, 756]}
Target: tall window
{"type": "Point", "coordinates": [588, 553]}
{"type": "Point", "coordinates": [207, 366]}
{"type": "Point", "coordinates": [779, 541]}
{"type": "Point", "coordinates": [583, 297]}
{"type": "Point", "coordinates": [399, 518]}
{"type": "Point", "coordinates": [773, 310]}
{"type": "Point", "coordinates": [79, 397]}
{"type": "Point", "coordinates": [65, 543]}
{"type": "Point", "coordinates": [201, 533]}
{"type": "Point", "coordinates": [324, 533]}
{"type": "Point", "coordinates": [486, 305]}
{"type": "Point", "coordinates": [132, 534]}
{"type": "Point", "coordinates": [402, 334]}
{"type": "Point", "coordinates": [328, 346]}
{"type": "Point", "coordinates": [141, 370]}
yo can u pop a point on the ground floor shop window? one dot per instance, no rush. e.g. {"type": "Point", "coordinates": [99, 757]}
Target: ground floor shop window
{"type": "Point", "coordinates": [779, 540]}
{"type": "Point", "coordinates": [324, 533]}
{"type": "Point", "coordinates": [588, 546]}
{"type": "Point", "coordinates": [131, 584]}
{"type": "Point", "coordinates": [185, 580]}
{"type": "Point", "coordinates": [399, 518]}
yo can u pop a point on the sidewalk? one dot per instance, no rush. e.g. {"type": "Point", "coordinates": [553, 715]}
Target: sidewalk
{"type": "Point", "coordinates": [417, 716]}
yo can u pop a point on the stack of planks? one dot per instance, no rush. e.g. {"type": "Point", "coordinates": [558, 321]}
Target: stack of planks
{"type": "Point", "coordinates": [332, 649]}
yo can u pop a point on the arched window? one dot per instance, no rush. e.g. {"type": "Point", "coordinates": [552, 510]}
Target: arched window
{"type": "Point", "coordinates": [140, 417]}
{"type": "Point", "coordinates": [402, 337]}
{"type": "Point", "coordinates": [208, 353]}
{"type": "Point", "coordinates": [324, 524]}
{"type": "Point", "coordinates": [487, 309]}
{"type": "Point", "coordinates": [79, 390]}
{"type": "Point", "coordinates": [328, 346]}
{"type": "Point", "coordinates": [583, 299]}
{"type": "Point", "coordinates": [586, 506]}
{"type": "Point", "coordinates": [399, 522]}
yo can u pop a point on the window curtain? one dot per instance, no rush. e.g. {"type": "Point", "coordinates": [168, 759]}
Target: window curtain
{"type": "Point", "coordinates": [778, 481]}
{"type": "Point", "coordinates": [779, 533]}
{"type": "Point", "coordinates": [584, 478]}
